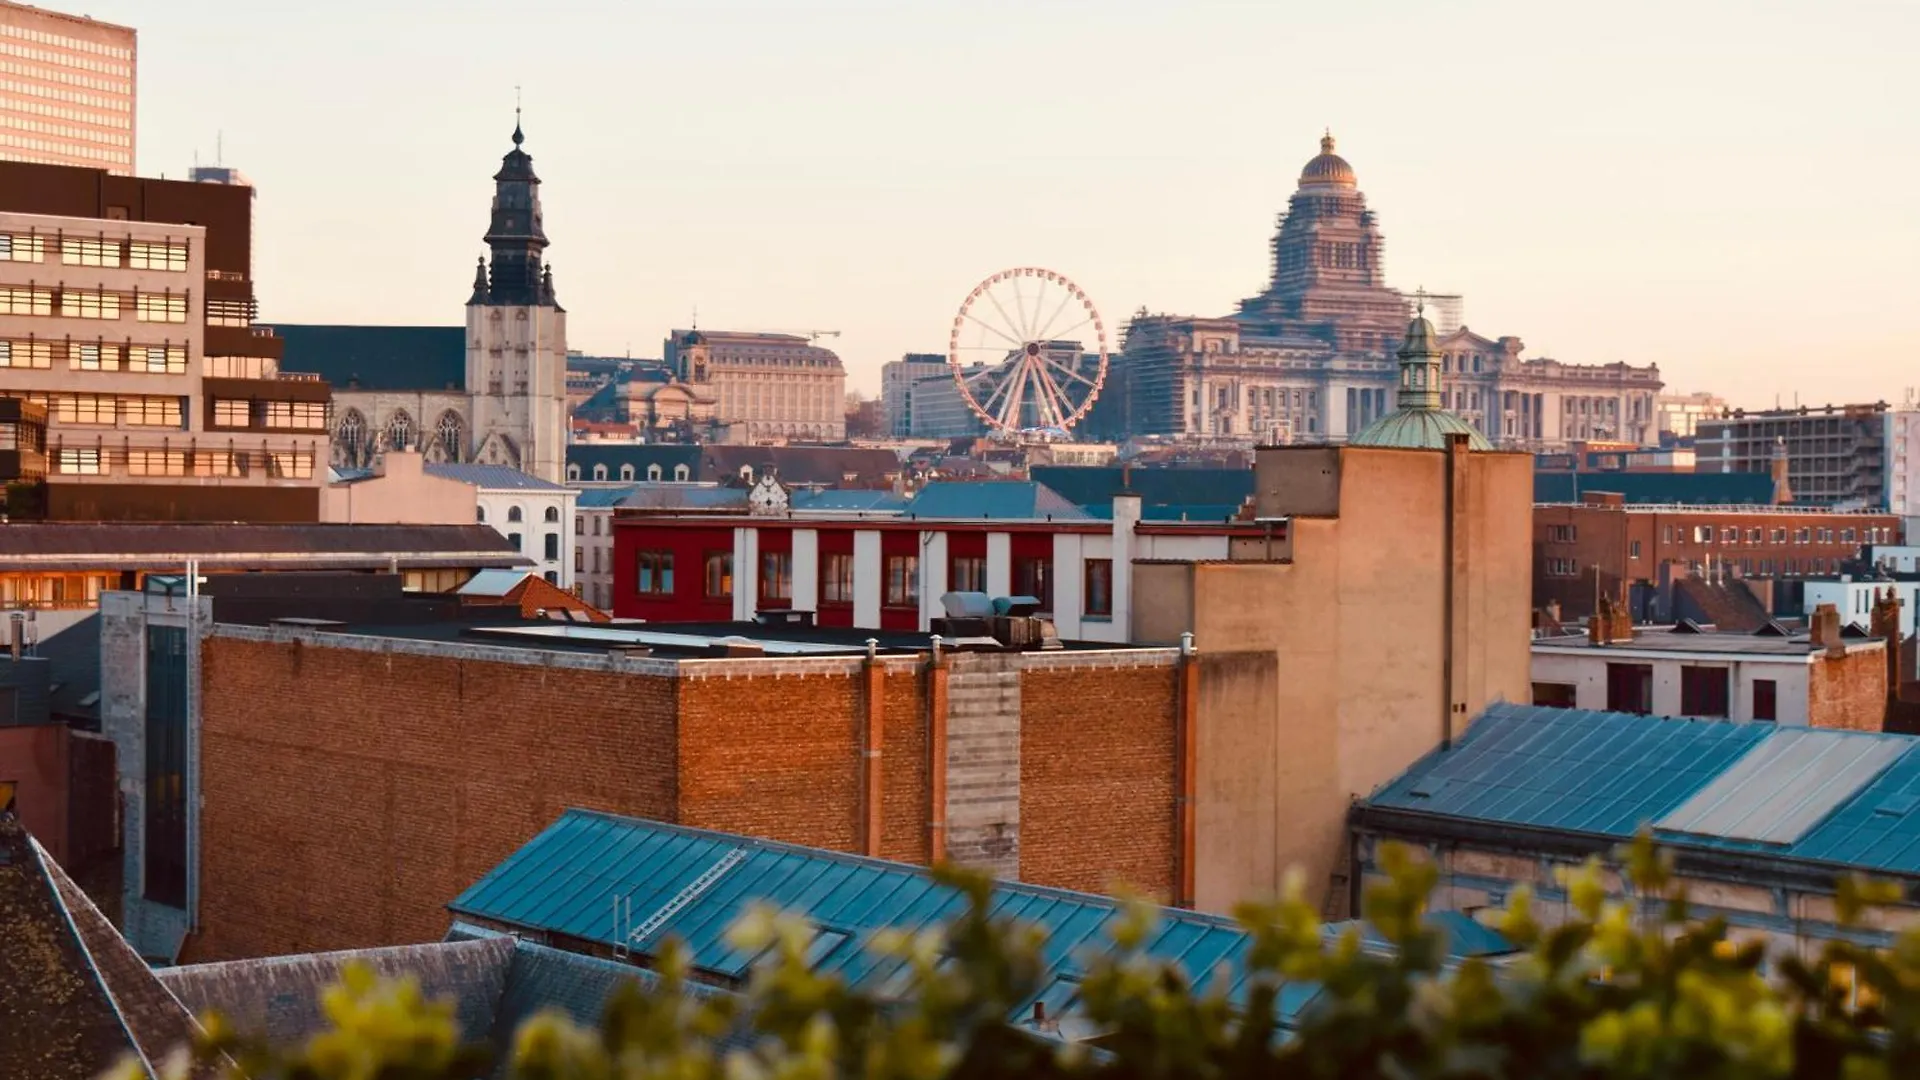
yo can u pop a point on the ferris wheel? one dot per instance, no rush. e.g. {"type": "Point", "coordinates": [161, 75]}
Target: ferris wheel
{"type": "Point", "coordinates": [1019, 354]}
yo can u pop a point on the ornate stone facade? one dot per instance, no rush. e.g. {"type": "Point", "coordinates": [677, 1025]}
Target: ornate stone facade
{"type": "Point", "coordinates": [506, 404]}
{"type": "Point", "coordinates": [1312, 357]}
{"type": "Point", "coordinates": [764, 388]}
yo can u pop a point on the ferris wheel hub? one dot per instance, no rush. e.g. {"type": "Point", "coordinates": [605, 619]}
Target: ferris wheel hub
{"type": "Point", "coordinates": [1017, 354]}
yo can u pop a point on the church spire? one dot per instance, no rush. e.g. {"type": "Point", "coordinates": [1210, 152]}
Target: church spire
{"type": "Point", "coordinates": [479, 282]}
{"type": "Point", "coordinates": [515, 237]}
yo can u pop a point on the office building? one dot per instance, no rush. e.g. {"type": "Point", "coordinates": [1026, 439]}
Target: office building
{"type": "Point", "coordinates": [1837, 455]}
{"type": "Point", "coordinates": [126, 309]}
{"type": "Point", "coordinates": [66, 89]}
{"type": "Point", "coordinates": [897, 381]}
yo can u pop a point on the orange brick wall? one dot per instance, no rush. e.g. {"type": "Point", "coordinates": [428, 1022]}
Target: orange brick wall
{"type": "Point", "coordinates": [348, 795]}
{"type": "Point", "coordinates": [1848, 692]}
{"type": "Point", "coordinates": [905, 801]}
{"type": "Point", "coordinates": [1096, 778]}
{"type": "Point", "coordinates": [773, 757]}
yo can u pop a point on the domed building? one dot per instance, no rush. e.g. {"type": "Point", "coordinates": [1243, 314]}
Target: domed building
{"type": "Point", "coordinates": [1421, 422]}
{"type": "Point", "coordinates": [1314, 356]}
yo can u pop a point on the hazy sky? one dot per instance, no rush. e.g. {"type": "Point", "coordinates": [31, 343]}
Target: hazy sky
{"type": "Point", "coordinates": [1724, 188]}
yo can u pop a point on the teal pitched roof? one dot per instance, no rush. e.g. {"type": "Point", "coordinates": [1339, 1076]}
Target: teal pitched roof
{"type": "Point", "coordinates": [377, 357]}
{"type": "Point", "coordinates": [1604, 774]}
{"type": "Point", "coordinates": [1671, 489]}
{"type": "Point", "coordinates": [569, 878]}
{"type": "Point", "coordinates": [999, 500]}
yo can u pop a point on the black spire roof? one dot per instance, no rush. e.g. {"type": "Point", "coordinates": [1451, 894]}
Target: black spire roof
{"type": "Point", "coordinates": [515, 236]}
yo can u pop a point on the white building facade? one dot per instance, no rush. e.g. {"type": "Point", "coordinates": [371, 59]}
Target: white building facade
{"type": "Point", "coordinates": [535, 515]}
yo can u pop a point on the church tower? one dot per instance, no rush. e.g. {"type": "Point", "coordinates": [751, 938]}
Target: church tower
{"type": "Point", "coordinates": [517, 333]}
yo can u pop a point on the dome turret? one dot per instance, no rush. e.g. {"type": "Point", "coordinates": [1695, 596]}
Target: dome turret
{"type": "Point", "coordinates": [1328, 168]}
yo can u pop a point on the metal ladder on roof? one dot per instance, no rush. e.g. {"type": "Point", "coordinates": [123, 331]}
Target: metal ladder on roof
{"type": "Point", "coordinates": [634, 938]}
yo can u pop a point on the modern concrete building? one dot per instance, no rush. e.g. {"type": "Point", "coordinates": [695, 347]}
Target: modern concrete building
{"type": "Point", "coordinates": [126, 309]}
{"type": "Point", "coordinates": [493, 392]}
{"type": "Point", "coordinates": [1837, 455]}
{"type": "Point", "coordinates": [766, 387]}
{"type": "Point", "coordinates": [67, 89]}
{"type": "Point", "coordinates": [1680, 414]}
{"type": "Point", "coordinates": [897, 381]}
{"type": "Point", "coordinates": [1311, 357]}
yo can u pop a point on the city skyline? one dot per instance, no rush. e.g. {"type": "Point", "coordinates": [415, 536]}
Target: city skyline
{"type": "Point", "coordinates": [1718, 198]}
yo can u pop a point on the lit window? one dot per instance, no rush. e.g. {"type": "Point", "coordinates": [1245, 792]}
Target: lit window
{"type": "Point", "coordinates": [89, 304]}
{"type": "Point", "coordinates": [719, 583]}
{"type": "Point", "coordinates": [218, 463]}
{"type": "Point", "coordinates": [77, 252]}
{"type": "Point", "coordinates": [968, 574]}
{"type": "Point", "coordinates": [77, 462]}
{"type": "Point", "coordinates": [156, 463]}
{"type": "Point", "coordinates": [297, 415]}
{"type": "Point", "coordinates": [290, 465]}
{"type": "Point", "coordinates": [230, 413]}
{"type": "Point", "coordinates": [161, 307]}
{"type": "Point", "coordinates": [26, 354]}
{"type": "Point", "coordinates": [16, 248]}
{"type": "Point", "coordinates": [155, 255]}
{"type": "Point", "coordinates": [158, 359]}
{"type": "Point", "coordinates": [229, 313]}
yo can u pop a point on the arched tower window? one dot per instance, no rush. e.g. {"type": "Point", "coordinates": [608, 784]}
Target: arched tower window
{"type": "Point", "coordinates": [400, 431]}
{"type": "Point", "coordinates": [553, 515]}
{"type": "Point", "coordinates": [451, 432]}
{"type": "Point", "coordinates": [513, 513]}
{"type": "Point", "coordinates": [351, 436]}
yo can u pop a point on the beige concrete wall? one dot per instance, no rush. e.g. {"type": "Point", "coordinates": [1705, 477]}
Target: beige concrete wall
{"type": "Point", "coordinates": [1162, 602]}
{"type": "Point", "coordinates": [1357, 626]}
{"type": "Point", "coordinates": [401, 495]}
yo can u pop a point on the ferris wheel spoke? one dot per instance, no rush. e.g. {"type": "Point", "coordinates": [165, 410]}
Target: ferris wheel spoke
{"type": "Point", "coordinates": [1047, 327]}
{"type": "Point", "coordinates": [1068, 370]}
{"type": "Point", "coordinates": [1014, 326]}
{"type": "Point", "coordinates": [985, 325]}
{"type": "Point", "coordinates": [1063, 405]}
{"type": "Point", "coordinates": [1062, 335]}
{"type": "Point", "coordinates": [1020, 305]}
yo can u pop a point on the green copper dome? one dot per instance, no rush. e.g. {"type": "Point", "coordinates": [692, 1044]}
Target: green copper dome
{"type": "Point", "coordinates": [1419, 429]}
{"type": "Point", "coordinates": [1419, 423]}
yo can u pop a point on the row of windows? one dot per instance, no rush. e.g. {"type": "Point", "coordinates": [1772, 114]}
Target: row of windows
{"type": "Point", "coordinates": [22, 436]}
{"type": "Point", "coordinates": [67, 131]}
{"type": "Point", "coordinates": [229, 313]}
{"type": "Point", "coordinates": [71, 78]}
{"type": "Point", "coordinates": [681, 473]}
{"type": "Point", "coordinates": [242, 367]}
{"type": "Point", "coordinates": [76, 97]}
{"type": "Point", "coordinates": [65, 149]}
{"type": "Point", "coordinates": [61, 112]}
{"type": "Point", "coordinates": [94, 461]}
{"type": "Point", "coordinates": [514, 513]}
{"type": "Point", "coordinates": [95, 356]}
{"type": "Point", "coordinates": [900, 587]}
{"type": "Point", "coordinates": [95, 251]}
{"type": "Point", "coordinates": [287, 415]}
{"type": "Point", "coordinates": [47, 37]}
{"type": "Point", "coordinates": [93, 303]}
{"type": "Point", "coordinates": [134, 410]}
{"type": "Point", "coordinates": [1707, 534]}
{"type": "Point", "coordinates": [84, 63]}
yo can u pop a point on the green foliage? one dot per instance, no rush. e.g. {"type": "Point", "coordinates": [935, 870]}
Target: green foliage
{"type": "Point", "coordinates": [1620, 989]}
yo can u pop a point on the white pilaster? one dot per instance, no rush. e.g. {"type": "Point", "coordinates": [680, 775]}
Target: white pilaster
{"type": "Point", "coordinates": [1126, 515]}
{"type": "Point", "coordinates": [1069, 580]}
{"type": "Point", "coordinates": [933, 577]}
{"type": "Point", "coordinates": [806, 570]}
{"type": "Point", "coordinates": [869, 578]}
{"type": "Point", "coordinates": [746, 572]}
{"type": "Point", "coordinates": [999, 564]}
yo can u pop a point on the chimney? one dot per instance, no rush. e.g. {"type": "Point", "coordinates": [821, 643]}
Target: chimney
{"type": "Point", "coordinates": [1823, 629]}
{"type": "Point", "coordinates": [1782, 492]}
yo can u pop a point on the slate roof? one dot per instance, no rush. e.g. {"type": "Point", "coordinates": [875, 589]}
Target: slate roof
{"type": "Point", "coordinates": [377, 357]}
{"type": "Point", "coordinates": [565, 881]}
{"type": "Point", "coordinates": [1689, 489]}
{"type": "Point", "coordinates": [602, 498]}
{"type": "Point", "coordinates": [803, 466]}
{"type": "Point", "coordinates": [1092, 487]}
{"type": "Point", "coordinates": [1606, 774]}
{"type": "Point", "coordinates": [75, 997]}
{"type": "Point", "coordinates": [306, 546]}
{"type": "Point", "coordinates": [639, 455]}
{"type": "Point", "coordinates": [999, 500]}
{"type": "Point", "coordinates": [848, 500]}
{"type": "Point", "coordinates": [491, 477]}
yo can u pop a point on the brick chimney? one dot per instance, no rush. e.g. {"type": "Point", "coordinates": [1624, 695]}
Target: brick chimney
{"type": "Point", "coordinates": [1884, 624]}
{"type": "Point", "coordinates": [1610, 624]}
{"type": "Point", "coordinates": [1823, 629]}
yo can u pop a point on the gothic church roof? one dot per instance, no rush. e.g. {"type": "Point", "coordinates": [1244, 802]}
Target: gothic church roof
{"type": "Point", "coordinates": [423, 358]}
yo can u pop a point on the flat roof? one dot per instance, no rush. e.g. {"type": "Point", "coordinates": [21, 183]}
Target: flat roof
{"type": "Point", "coordinates": [1714, 642]}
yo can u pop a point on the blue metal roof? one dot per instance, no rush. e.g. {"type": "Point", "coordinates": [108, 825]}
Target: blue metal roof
{"type": "Point", "coordinates": [1608, 774]}
{"type": "Point", "coordinates": [602, 498]}
{"type": "Point", "coordinates": [849, 499]}
{"type": "Point", "coordinates": [1000, 500]}
{"type": "Point", "coordinates": [1693, 489]}
{"type": "Point", "coordinates": [569, 879]}
{"type": "Point", "coordinates": [490, 476]}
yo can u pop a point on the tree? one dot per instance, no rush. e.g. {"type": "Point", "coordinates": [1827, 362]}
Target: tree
{"type": "Point", "coordinates": [864, 419]}
{"type": "Point", "coordinates": [1615, 992]}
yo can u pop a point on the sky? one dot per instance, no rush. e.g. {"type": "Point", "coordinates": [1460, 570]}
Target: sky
{"type": "Point", "coordinates": [1723, 188]}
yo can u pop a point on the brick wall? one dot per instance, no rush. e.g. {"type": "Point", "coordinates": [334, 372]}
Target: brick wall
{"type": "Point", "coordinates": [349, 795]}
{"type": "Point", "coordinates": [905, 798]}
{"type": "Point", "coordinates": [1848, 692]}
{"type": "Point", "coordinates": [1096, 784]}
